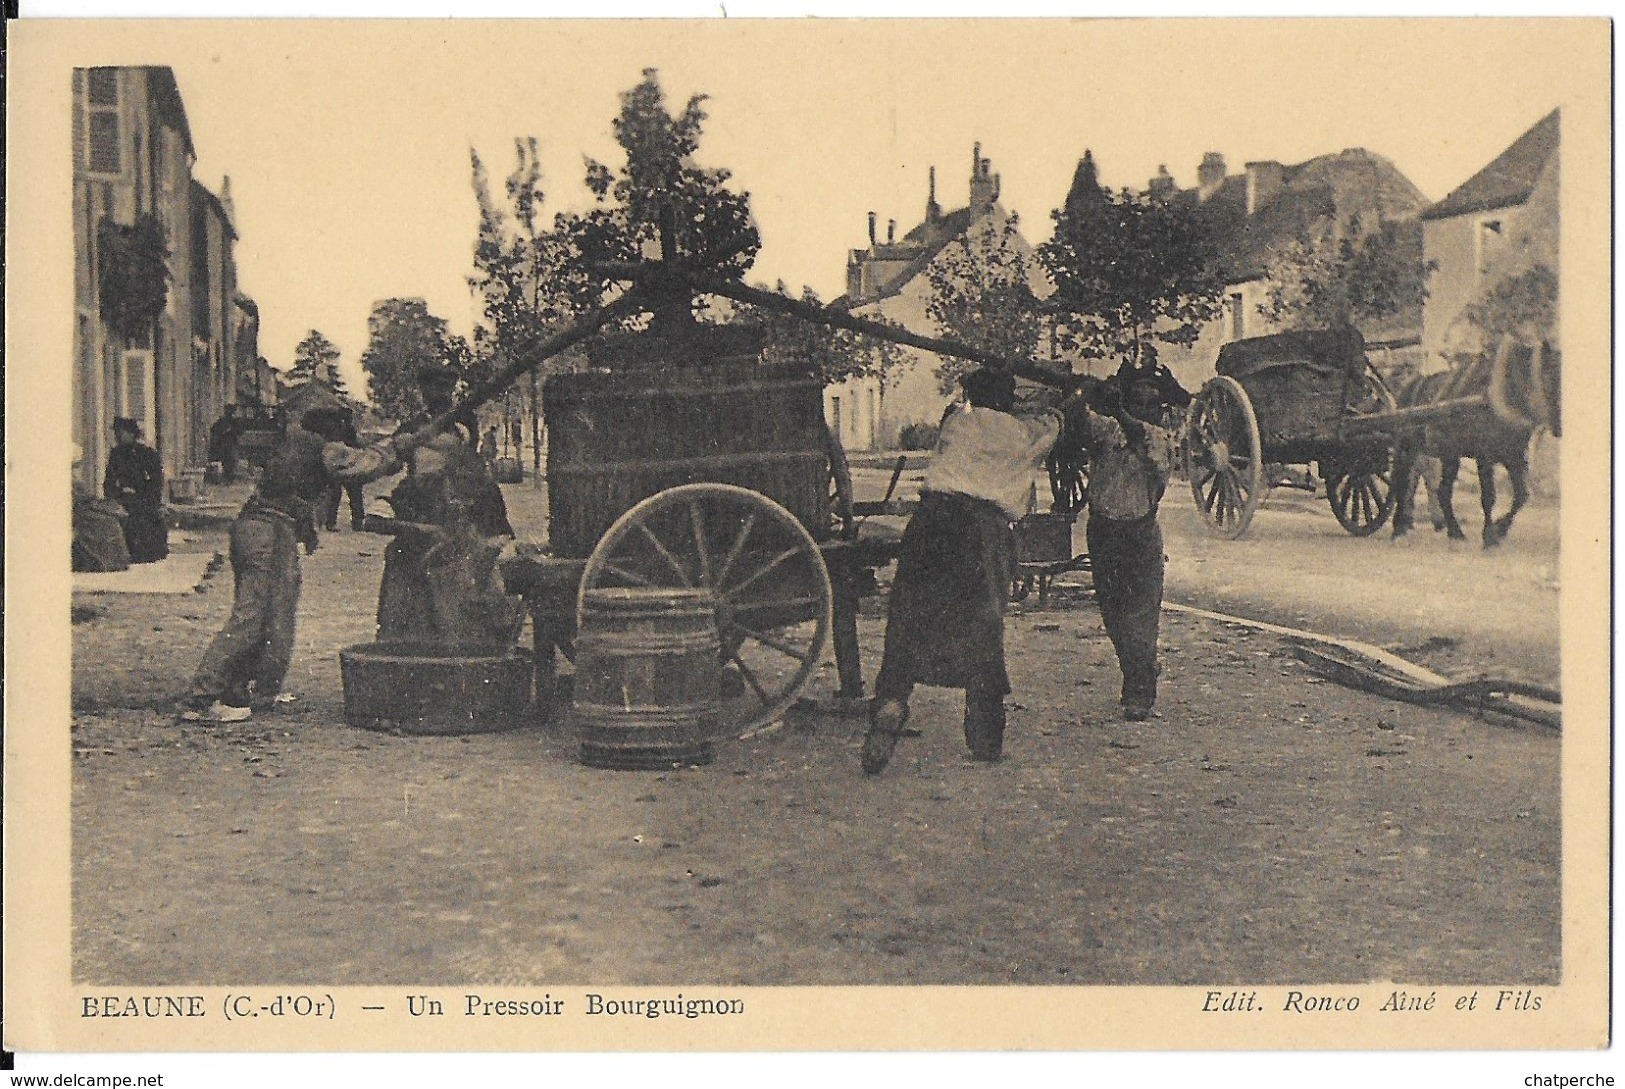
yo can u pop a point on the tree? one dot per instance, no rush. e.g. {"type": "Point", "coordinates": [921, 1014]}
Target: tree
{"type": "Point", "coordinates": [833, 354]}
{"type": "Point", "coordinates": [316, 359]}
{"type": "Point", "coordinates": [1130, 270]}
{"type": "Point", "coordinates": [402, 336]}
{"type": "Point", "coordinates": [982, 296]}
{"type": "Point", "coordinates": [659, 197]}
{"type": "Point", "coordinates": [1347, 276]}
{"type": "Point", "coordinates": [1524, 306]}
{"type": "Point", "coordinates": [524, 274]}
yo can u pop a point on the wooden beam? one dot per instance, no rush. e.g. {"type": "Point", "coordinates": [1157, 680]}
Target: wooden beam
{"type": "Point", "coordinates": [1030, 369]}
{"type": "Point", "coordinates": [531, 356]}
{"type": "Point", "coordinates": [1408, 417]}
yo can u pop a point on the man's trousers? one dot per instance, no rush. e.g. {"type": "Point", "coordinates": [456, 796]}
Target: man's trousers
{"type": "Point", "coordinates": [256, 645]}
{"type": "Point", "coordinates": [1127, 561]}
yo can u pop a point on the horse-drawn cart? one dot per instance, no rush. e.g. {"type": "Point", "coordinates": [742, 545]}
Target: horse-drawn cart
{"type": "Point", "coordinates": [1300, 397]}
{"type": "Point", "coordinates": [1288, 399]}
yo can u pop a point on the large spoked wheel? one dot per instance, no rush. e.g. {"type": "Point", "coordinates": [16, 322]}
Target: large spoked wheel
{"type": "Point", "coordinates": [771, 586]}
{"type": "Point", "coordinates": [1224, 457]}
{"type": "Point", "coordinates": [1362, 501]}
{"type": "Point", "coordinates": [1360, 489]}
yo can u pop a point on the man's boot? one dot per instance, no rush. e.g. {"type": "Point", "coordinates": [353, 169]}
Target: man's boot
{"type": "Point", "coordinates": [886, 719]}
{"type": "Point", "coordinates": [984, 725]}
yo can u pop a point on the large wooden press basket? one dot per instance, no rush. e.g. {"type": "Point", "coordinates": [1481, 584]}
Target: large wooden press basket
{"type": "Point", "coordinates": [616, 437]}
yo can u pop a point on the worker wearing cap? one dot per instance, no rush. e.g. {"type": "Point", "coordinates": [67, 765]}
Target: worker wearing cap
{"type": "Point", "coordinates": [1131, 456]}
{"type": "Point", "coordinates": [449, 523]}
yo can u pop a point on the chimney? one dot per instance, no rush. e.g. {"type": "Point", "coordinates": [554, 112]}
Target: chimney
{"type": "Point", "coordinates": [1263, 180]}
{"type": "Point", "coordinates": [225, 201]}
{"type": "Point", "coordinates": [871, 228]}
{"type": "Point", "coordinates": [1163, 186]}
{"type": "Point", "coordinates": [933, 210]}
{"type": "Point", "coordinates": [984, 188]}
{"type": "Point", "coordinates": [1210, 175]}
{"type": "Point", "coordinates": [891, 231]}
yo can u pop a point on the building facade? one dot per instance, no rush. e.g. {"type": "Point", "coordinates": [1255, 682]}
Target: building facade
{"type": "Point", "coordinates": [890, 280]}
{"type": "Point", "coordinates": [154, 275]}
{"type": "Point", "coordinates": [1269, 206]}
{"type": "Point", "coordinates": [1499, 222]}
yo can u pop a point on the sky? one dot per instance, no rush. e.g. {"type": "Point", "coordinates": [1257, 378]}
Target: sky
{"type": "Point", "coordinates": [347, 144]}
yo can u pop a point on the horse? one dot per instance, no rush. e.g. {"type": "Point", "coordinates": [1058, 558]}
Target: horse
{"type": "Point", "coordinates": [1517, 393]}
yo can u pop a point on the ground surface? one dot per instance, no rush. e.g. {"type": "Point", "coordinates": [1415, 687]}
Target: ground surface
{"type": "Point", "coordinates": [1265, 828]}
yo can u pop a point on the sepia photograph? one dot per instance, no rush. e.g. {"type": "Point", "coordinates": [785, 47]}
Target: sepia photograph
{"type": "Point", "coordinates": [809, 535]}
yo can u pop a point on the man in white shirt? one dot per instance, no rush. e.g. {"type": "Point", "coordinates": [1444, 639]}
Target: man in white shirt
{"type": "Point", "coordinates": [945, 624]}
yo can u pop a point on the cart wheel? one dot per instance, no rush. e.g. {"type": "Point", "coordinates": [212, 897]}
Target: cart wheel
{"type": "Point", "coordinates": [1068, 468]}
{"type": "Point", "coordinates": [1224, 457]}
{"type": "Point", "coordinates": [1361, 495]}
{"type": "Point", "coordinates": [771, 586]}
{"type": "Point", "coordinates": [1361, 501]}
{"type": "Point", "coordinates": [842, 526]}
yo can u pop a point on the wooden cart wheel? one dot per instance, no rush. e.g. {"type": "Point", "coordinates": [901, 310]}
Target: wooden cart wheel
{"type": "Point", "coordinates": [1068, 468]}
{"type": "Point", "coordinates": [1362, 501]}
{"type": "Point", "coordinates": [771, 586]}
{"type": "Point", "coordinates": [1361, 494]}
{"type": "Point", "coordinates": [842, 526]}
{"type": "Point", "coordinates": [1224, 457]}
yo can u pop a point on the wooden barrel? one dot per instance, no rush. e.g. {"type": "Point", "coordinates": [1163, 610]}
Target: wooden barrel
{"type": "Point", "coordinates": [434, 688]}
{"type": "Point", "coordinates": [647, 677]}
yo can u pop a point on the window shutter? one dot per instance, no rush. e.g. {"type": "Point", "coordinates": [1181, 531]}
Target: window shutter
{"type": "Point", "coordinates": [103, 86]}
{"type": "Point", "coordinates": [104, 142]}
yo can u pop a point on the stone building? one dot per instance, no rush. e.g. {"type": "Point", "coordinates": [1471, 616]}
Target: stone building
{"type": "Point", "coordinates": [1496, 223]}
{"type": "Point", "coordinates": [155, 311]}
{"type": "Point", "coordinates": [890, 279]}
{"type": "Point", "coordinates": [1271, 204]}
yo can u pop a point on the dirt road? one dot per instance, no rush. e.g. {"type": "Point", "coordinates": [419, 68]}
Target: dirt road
{"type": "Point", "coordinates": [1266, 827]}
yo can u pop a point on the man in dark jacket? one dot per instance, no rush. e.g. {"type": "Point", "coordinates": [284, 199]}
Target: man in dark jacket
{"type": "Point", "coordinates": [223, 444]}
{"type": "Point", "coordinates": [135, 480]}
{"type": "Point", "coordinates": [345, 489]}
{"type": "Point", "coordinates": [247, 661]}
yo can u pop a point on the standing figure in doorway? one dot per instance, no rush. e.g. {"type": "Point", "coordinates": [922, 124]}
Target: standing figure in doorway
{"type": "Point", "coordinates": [223, 444]}
{"type": "Point", "coordinates": [135, 480]}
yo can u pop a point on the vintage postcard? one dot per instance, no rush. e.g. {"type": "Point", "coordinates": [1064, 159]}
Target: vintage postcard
{"type": "Point", "coordinates": [809, 535]}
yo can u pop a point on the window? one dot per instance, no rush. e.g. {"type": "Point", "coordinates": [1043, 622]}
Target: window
{"type": "Point", "coordinates": [1238, 316]}
{"type": "Point", "coordinates": [1490, 237]}
{"type": "Point", "coordinates": [102, 152]}
{"type": "Point", "coordinates": [103, 85]}
{"type": "Point", "coordinates": [835, 414]}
